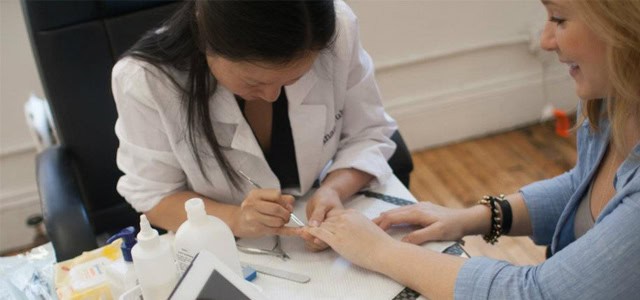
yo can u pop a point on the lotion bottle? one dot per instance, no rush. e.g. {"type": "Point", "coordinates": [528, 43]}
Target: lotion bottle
{"type": "Point", "coordinates": [154, 263]}
{"type": "Point", "coordinates": [201, 231]}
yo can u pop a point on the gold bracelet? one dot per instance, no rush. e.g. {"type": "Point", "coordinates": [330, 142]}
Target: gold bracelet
{"type": "Point", "coordinates": [496, 218]}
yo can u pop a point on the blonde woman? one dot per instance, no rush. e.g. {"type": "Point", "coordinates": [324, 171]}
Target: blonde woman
{"type": "Point", "coordinates": [590, 216]}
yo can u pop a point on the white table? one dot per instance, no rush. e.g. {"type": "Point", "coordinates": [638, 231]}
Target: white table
{"type": "Point", "coordinates": [332, 277]}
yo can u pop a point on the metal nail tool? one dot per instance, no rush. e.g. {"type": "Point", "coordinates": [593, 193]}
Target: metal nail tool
{"type": "Point", "coordinates": [275, 251]}
{"type": "Point", "coordinates": [256, 185]}
{"type": "Point", "coordinates": [250, 250]}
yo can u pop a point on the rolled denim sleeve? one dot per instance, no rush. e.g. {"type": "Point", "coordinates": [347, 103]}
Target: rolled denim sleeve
{"type": "Point", "coordinates": [602, 264]}
{"type": "Point", "coordinates": [545, 201]}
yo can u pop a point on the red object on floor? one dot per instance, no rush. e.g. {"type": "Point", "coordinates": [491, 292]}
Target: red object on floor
{"type": "Point", "coordinates": [562, 123]}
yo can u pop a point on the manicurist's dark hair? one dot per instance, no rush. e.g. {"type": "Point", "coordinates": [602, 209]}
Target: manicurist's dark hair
{"type": "Point", "coordinates": [275, 32]}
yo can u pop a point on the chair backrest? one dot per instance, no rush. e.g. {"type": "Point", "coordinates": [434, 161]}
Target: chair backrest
{"type": "Point", "coordinates": [75, 44]}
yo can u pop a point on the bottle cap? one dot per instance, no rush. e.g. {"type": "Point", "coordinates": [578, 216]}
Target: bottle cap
{"type": "Point", "coordinates": [195, 209]}
{"type": "Point", "coordinates": [128, 235]}
{"type": "Point", "coordinates": [147, 235]}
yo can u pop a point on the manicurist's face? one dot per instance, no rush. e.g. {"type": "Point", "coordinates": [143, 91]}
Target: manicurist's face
{"type": "Point", "coordinates": [255, 80]}
{"type": "Point", "coordinates": [577, 46]}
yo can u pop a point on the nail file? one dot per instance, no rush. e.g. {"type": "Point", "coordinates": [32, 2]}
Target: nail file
{"type": "Point", "coordinates": [279, 273]}
{"type": "Point", "coordinates": [249, 273]}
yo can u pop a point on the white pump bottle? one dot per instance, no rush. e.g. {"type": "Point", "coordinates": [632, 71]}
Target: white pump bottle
{"type": "Point", "coordinates": [153, 262]}
{"type": "Point", "coordinates": [201, 231]}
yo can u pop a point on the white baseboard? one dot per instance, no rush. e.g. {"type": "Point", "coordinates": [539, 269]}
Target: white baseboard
{"type": "Point", "coordinates": [17, 149]}
{"type": "Point", "coordinates": [479, 109]}
{"type": "Point", "coordinates": [15, 208]}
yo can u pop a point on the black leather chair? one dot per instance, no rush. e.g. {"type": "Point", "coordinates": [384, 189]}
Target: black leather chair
{"type": "Point", "coordinates": [401, 162]}
{"type": "Point", "coordinates": [75, 44]}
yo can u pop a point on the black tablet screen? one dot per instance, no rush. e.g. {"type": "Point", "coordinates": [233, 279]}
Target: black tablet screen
{"type": "Point", "coordinates": [219, 288]}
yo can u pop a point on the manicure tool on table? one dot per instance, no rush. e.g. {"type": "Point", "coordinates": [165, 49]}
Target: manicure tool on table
{"type": "Point", "coordinates": [278, 273]}
{"type": "Point", "coordinates": [256, 185]}
{"type": "Point", "coordinates": [276, 251]}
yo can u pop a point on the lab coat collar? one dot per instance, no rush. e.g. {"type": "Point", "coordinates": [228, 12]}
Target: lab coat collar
{"type": "Point", "coordinates": [307, 127]}
{"type": "Point", "coordinates": [237, 142]}
{"type": "Point", "coordinates": [225, 110]}
{"type": "Point", "coordinates": [232, 130]}
{"type": "Point", "coordinates": [298, 91]}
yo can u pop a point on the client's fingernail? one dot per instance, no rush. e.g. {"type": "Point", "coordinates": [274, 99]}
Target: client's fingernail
{"type": "Point", "coordinates": [314, 223]}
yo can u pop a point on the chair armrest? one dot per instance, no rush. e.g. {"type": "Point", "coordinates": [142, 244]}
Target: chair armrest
{"type": "Point", "coordinates": [401, 162]}
{"type": "Point", "coordinates": [64, 213]}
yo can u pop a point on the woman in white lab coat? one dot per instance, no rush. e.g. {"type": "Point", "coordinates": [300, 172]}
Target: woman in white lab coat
{"type": "Point", "coordinates": [281, 91]}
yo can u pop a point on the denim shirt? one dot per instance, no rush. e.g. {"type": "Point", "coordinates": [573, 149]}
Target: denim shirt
{"type": "Point", "coordinates": [602, 264]}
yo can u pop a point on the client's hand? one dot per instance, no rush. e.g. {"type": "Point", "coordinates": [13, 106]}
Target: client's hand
{"type": "Point", "coordinates": [264, 212]}
{"type": "Point", "coordinates": [323, 201]}
{"type": "Point", "coordinates": [353, 236]}
{"type": "Point", "coordinates": [439, 223]}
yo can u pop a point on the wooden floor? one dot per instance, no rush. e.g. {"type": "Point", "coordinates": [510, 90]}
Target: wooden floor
{"type": "Point", "coordinates": [458, 175]}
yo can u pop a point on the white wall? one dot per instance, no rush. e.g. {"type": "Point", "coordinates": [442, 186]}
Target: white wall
{"type": "Point", "coordinates": [452, 69]}
{"type": "Point", "coordinates": [18, 78]}
{"type": "Point", "coordinates": [448, 70]}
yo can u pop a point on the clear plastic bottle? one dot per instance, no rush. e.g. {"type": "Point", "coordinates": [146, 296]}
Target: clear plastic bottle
{"type": "Point", "coordinates": [201, 231]}
{"type": "Point", "coordinates": [154, 263]}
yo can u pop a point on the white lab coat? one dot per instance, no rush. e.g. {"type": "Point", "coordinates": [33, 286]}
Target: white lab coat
{"type": "Point", "coordinates": [337, 121]}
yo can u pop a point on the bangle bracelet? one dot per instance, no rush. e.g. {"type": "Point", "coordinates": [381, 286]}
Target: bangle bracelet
{"type": "Point", "coordinates": [496, 227]}
{"type": "Point", "coordinates": [507, 216]}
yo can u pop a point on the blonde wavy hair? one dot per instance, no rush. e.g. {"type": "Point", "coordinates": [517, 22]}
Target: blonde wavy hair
{"type": "Point", "coordinates": [617, 23]}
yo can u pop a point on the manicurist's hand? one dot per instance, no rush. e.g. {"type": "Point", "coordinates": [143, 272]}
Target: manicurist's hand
{"type": "Point", "coordinates": [264, 212]}
{"type": "Point", "coordinates": [438, 223]}
{"type": "Point", "coordinates": [321, 203]}
{"type": "Point", "coordinates": [353, 236]}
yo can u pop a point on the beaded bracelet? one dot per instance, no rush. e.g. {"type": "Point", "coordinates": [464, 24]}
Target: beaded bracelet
{"type": "Point", "coordinates": [496, 228]}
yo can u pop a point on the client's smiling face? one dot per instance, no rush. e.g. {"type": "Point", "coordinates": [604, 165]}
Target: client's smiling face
{"type": "Point", "coordinates": [577, 46]}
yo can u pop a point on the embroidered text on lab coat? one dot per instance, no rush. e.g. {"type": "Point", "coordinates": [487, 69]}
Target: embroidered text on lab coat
{"type": "Point", "coordinates": [329, 135]}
